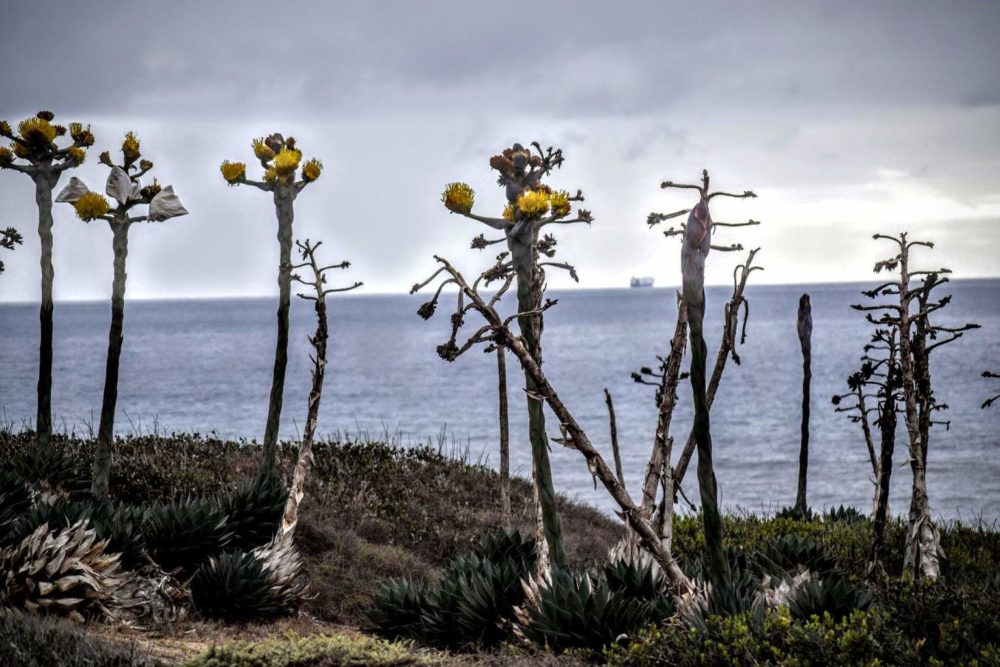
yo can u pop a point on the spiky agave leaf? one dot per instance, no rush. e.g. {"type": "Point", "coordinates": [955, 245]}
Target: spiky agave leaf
{"type": "Point", "coordinates": [254, 508]}
{"type": "Point", "coordinates": [793, 553]}
{"type": "Point", "coordinates": [65, 571]}
{"type": "Point", "coordinates": [15, 501]}
{"type": "Point", "coordinates": [578, 609]}
{"type": "Point", "coordinates": [639, 579]}
{"type": "Point", "coordinates": [398, 607]}
{"type": "Point", "coordinates": [833, 594]}
{"type": "Point", "coordinates": [181, 535]}
{"type": "Point", "coordinates": [51, 472]}
{"type": "Point", "coordinates": [473, 603]}
{"type": "Point", "coordinates": [844, 514]}
{"type": "Point", "coordinates": [244, 585]}
{"type": "Point", "coordinates": [500, 546]}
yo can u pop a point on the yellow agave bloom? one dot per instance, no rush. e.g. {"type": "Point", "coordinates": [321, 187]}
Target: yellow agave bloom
{"type": "Point", "coordinates": [78, 155]}
{"type": "Point", "coordinates": [5, 130]}
{"type": "Point", "coordinates": [508, 212]}
{"type": "Point", "coordinates": [262, 150]}
{"type": "Point", "coordinates": [271, 176]}
{"type": "Point", "coordinates": [91, 205]}
{"type": "Point", "coordinates": [534, 203]}
{"type": "Point", "coordinates": [37, 130]}
{"type": "Point", "coordinates": [287, 161]}
{"type": "Point", "coordinates": [458, 197]}
{"type": "Point", "coordinates": [559, 201]}
{"type": "Point", "coordinates": [130, 147]}
{"type": "Point", "coordinates": [6, 157]}
{"type": "Point", "coordinates": [233, 172]}
{"type": "Point", "coordinates": [312, 169]}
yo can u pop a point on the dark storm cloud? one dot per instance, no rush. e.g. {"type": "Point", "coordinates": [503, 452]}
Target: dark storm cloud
{"type": "Point", "coordinates": [843, 116]}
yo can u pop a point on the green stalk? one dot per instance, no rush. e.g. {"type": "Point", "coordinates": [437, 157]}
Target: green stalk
{"type": "Point", "coordinates": [106, 431]}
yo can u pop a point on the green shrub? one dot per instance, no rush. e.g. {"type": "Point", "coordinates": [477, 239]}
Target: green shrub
{"type": "Point", "coordinates": [181, 535]}
{"type": "Point", "coordinates": [27, 640]}
{"type": "Point", "coordinates": [307, 651]}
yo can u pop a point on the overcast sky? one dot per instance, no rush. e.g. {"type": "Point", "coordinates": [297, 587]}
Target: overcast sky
{"type": "Point", "coordinates": [846, 118]}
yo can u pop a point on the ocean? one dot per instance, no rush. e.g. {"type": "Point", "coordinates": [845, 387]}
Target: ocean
{"type": "Point", "coordinates": [205, 366]}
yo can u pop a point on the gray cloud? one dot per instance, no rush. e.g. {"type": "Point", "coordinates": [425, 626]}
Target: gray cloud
{"type": "Point", "coordinates": [842, 120]}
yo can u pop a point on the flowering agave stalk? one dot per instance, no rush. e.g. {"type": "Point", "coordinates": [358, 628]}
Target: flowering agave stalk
{"type": "Point", "coordinates": [33, 151]}
{"type": "Point", "coordinates": [910, 312]}
{"type": "Point", "coordinates": [125, 188]}
{"type": "Point", "coordinates": [318, 341]}
{"type": "Point", "coordinates": [804, 325]}
{"type": "Point", "coordinates": [496, 331]}
{"type": "Point", "coordinates": [531, 206]}
{"type": "Point", "coordinates": [9, 238]}
{"type": "Point", "coordinates": [697, 241]}
{"type": "Point", "coordinates": [281, 160]}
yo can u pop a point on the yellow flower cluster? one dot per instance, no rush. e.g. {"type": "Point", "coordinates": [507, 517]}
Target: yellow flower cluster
{"type": "Point", "coordinates": [533, 203]}
{"type": "Point", "coordinates": [559, 201]}
{"type": "Point", "coordinates": [458, 197]}
{"type": "Point", "coordinates": [311, 170]}
{"type": "Point", "coordinates": [130, 147]}
{"type": "Point", "coordinates": [233, 172]}
{"type": "Point", "coordinates": [287, 161]}
{"type": "Point", "coordinates": [77, 155]}
{"type": "Point", "coordinates": [508, 212]}
{"type": "Point", "coordinates": [6, 157]}
{"type": "Point", "coordinates": [5, 130]}
{"type": "Point", "coordinates": [262, 150]}
{"type": "Point", "coordinates": [271, 176]}
{"type": "Point", "coordinates": [91, 205]}
{"type": "Point", "coordinates": [37, 130]}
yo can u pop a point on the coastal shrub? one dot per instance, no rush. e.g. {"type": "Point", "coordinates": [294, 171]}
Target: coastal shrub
{"type": "Point", "coordinates": [35, 641]}
{"type": "Point", "coordinates": [795, 514]}
{"type": "Point", "coordinates": [861, 638]}
{"type": "Point", "coordinates": [180, 535]}
{"type": "Point", "coordinates": [254, 508]}
{"type": "Point", "coordinates": [338, 650]}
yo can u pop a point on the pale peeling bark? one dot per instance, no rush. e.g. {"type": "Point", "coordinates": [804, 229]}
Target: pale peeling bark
{"type": "Point", "coordinates": [116, 334]}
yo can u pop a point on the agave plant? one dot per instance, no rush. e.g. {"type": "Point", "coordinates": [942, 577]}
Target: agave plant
{"type": "Point", "coordinates": [254, 509]}
{"type": "Point", "coordinates": [830, 594]}
{"type": "Point", "coordinates": [34, 151]}
{"type": "Point", "coordinates": [125, 187]}
{"type": "Point", "coordinates": [793, 553]}
{"type": "Point", "coordinates": [844, 514]}
{"type": "Point", "coordinates": [578, 609]}
{"type": "Point", "coordinates": [280, 159]}
{"type": "Point", "coordinates": [65, 571]}
{"type": "Point", "coordinates": [181, 535]}
{"type": "Point", "coordinates": [51, 472]}
{"type": "Point", "coordinates": [398, 608]}
{"type": "Point", "coordinates": [244, 585]}
{"type": "Point", "coordinates": [15, 500]}
{"type": "Point", "coordinates": [500, 546]}
{"type": "Point", "coordinates": [641, 580]}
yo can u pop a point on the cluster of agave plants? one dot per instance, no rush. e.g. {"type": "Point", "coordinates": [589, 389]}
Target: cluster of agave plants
{"type": "Point", "coordinates": [492, 595]}
{"type": "Point", "coordinates": [234, 555]}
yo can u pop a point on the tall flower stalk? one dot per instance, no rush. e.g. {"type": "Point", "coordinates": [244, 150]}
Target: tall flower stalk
{"type": "Point", "coordinates": [280, 159]}
{"type": "Point", "coordinates": [34, 151]}
{"type": "Point", "coordinates": [125, 188]}
{"type": "Point", "coordinates": [804, 326]}
{"type": "Point", "coordinates": [697, 241]}
{"type": "Point", "coordinates": [531, 206]}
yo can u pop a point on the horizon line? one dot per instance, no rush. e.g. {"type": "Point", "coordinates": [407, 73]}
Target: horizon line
{"type": "Point", "coordinates": [361, 295]}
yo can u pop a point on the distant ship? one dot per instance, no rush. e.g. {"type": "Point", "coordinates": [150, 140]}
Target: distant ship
{"type": "Point", "coordinates": [641, 282]}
